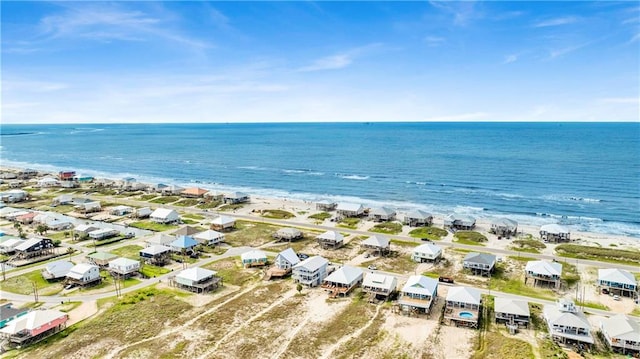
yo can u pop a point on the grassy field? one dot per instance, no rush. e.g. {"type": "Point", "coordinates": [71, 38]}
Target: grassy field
{"type": "Point", "coordinates": [321, 216]}
{"type": "Point", "coordinates": [432, 233]}
{"type": "Point", "coordinates": [152, 226]}
{"type": "Point", "coordinates": [347, 222]}
{"type": "Point", "coordinates": [23, 284]}
{"type": "Point", "coordinates": [232, 272]}
{"type": "Point", "coordinates": [133, 317]}
{"type": "Point", "coordinates": [152, 271]}
{"type": "Point", "coordinates": [231, 207]}
{"type": "Point", "coordinates": [277, 214]}
{"type": "Point", "coordinates": [131, 251]}
{"type": "Point", "coordinates": [394, 262]}
{"type": "Point", "coordinates": [470, 236]}
{"type": "Point", "coordinates": [497, 346]}
{"type": "Point", "coordinates": [527, 245]}
{"type": "Point", "coordinates": [165, 199]}
{"type": "Point", "coordinates": [402, 243]}
{"type": "Point", "coordinates": [593, 305]}
{"type": "Point", "coordinates": [509, 282]}
{"type": "Point", "coordinates": [468, 242]}
{"type": "Point", "coordinates": [209, 205]}
{"type": "Point", "coordinates": [195, 216]}
{"type": "Point", "coordinates": [187, 202]}
{"type": "Point", "coordinates": [570, 274]}
{"type": "Point", "coordinates": [387, 227]}
{"type": "Point", "coordinates": [599, 254]}
{"type": "Point", "coordinates": [250, 234]}
{"type": "Point", "coordinates": [148, 197]}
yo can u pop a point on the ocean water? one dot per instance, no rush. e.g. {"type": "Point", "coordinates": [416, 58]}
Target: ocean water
{"type": "Point", "coordinates": [583, 175]}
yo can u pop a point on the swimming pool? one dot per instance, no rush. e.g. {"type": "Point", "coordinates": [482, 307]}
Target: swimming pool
{"type": "Point", "coordinates": [465, 315]}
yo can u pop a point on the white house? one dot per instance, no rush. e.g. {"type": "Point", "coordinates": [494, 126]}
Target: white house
{"type": "Point", "coordinates": [103, 233]}
{"type": "Point", "coordinates": [254, 258]}
{"type": "Point", "coordinates": [418, 218]}
{"type": "Point", "coordinates": [343, 280]}
{"type": "Point", "coordinates": [121, 210]}
{"type": "Point", "coordinates": [48, 182]}
{"type": "Point", "coordinates": [197, 280]}
{"type": "Point", "coordinates": [124, 266]}
{"type": "Point", "coordinates": [223, 223]}
{"type": "Point", "coordinates": [622, 333]}
{"type": "Point", "coordinates": [14, 195]}
{"type": "Point", "coordinates": [286, 259]}
{"type": "Point", "coordinates": [377, 243]}
{"type": "Point", "coordinates": [617, 281]}
{"type": "Point", "coordinates": [84, 274]}
{"type": "Point", "coordinates": [350, 210]}
{"type": "Point", "coordinates": [164, 215]}
{"type": "Point", "coordinates": [554, 233]}
{"type": "Point", "coordinates": [330, 239]}
{"type": "Point", "coordinates": [543, 272]}
{"type": "Point", "coordinates": [85, 228]}
{"type": "Point", "coordinates": [378, 284]}
{"type": "Point", "coordinates": [236, 197]}
{"type": "Point", "coordinates": [57, 270]}
{"type": "Point", "coordinates": [504, 227]}
{"type": "Point", "coordinates": [509, 311]}
{"type": "Point", "coordinates": [463, 306]}
{"type": "Point", "coordinates": [459, 221]}
{"type": "Point", "coordinates": [88, 207]}
{"type": "Point", "coordinates": [479, 263]}
{"type": "Point", "coordinates": [566, 323]}
{"type": "Point", "coordinates": [160, 239]}
{"type": "Point", "coordinates": [418, 294]}
{"type": "Point", "coordinates": [427, 252]}
{"type": "Point", "coordinates": [143, 212]}
{"type": "Point", "coordinates": [382, 214]}
{"type": "Point", "coordinates": [311, 271]}
{"type": "Point", "coordinates": [209, 237]}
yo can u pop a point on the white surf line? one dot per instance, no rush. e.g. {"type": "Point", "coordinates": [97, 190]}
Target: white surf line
{"type": "Point", "coordinates": [356, 334]}
{"type": "Point", "coordinates": [211, 350]}
{"type": "Point", "coordinates": [289, 338]}
{"type": "Point", "coordinates": [179, 328]}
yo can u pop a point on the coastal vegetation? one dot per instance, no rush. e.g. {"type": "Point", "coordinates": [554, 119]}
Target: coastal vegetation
{"type": "Point", "coordinates": [165, 199]}
{"type": "Point", "coordinates": [209, 204]}
{"type": "Point", "coordinates": [276, 214]}
{"type": "Point", "coordinates": [469, 236]}
{"type": "Point", "coordinates": [231, 207]}
{"type": "Point", "coordinates": [152, 271]}
{"type": "Point", "coordinates": [25, 284]}
{"type": "Point", "coordinates": [232, 272]}
{"type": "Point", "coordinates": [527, 245]}
{"type": "Point", "coordinates": [432, 233]}
{"type": "Point", "coordinates": [598, 253]}
{"type": "Point", "coordinates": [130, 251]}
{"type": "Point", "coordinates": [152, 226]}
{"type": "Point", "coordinates": [186, 202]}
{"type": "Point", "coordinates": [148, 197]}
{"type": "Point", "coordinates": [252, 234]}
{"type": "Point", "coordinates": [387, 227]}
{"type": "Point", "coordinates": [569, 274]}
{"type": "Point", "coordinates": [348, 222]}
{"type": "Point", "coordinates": [503, 281]}
{"type": "Point", "coordinates": [321, 216]}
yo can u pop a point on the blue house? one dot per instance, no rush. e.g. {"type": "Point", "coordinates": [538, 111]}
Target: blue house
{"type": "Point", "coordinates": [186, 243]}
{"type": "Point", "coordinates": [8, 313]}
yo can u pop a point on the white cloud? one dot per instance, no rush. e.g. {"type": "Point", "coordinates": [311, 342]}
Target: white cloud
{"type": "Point", "coordinates": [565, 50]}
{"type": "Point", "coordinates": [463, 12]}
{"type": "Point", "coordinates": [558, 21]}
{"type": "Point", "coordinates": [434, 41]}
{"type": "Point", "coordinates": [338, 61]}
{"type": "Point", "coordinates": [510, 58]}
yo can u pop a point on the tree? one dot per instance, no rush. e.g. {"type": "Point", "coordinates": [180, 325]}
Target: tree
{"type": "Point", "coordinates": [299, 288]}
{"type": "Point", "coordinates": [42, 229]}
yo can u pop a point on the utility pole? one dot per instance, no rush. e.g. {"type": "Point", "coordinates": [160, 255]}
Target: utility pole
{"type": "Point", "coordinates": [35, 291]}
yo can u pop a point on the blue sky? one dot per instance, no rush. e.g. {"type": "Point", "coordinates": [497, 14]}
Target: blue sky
{"type": "Point", "coordinates": [106, 62]}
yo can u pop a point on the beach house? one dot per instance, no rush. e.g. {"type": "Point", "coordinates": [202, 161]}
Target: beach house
{"type": "Point", "coordinates": [34, 247]}
{"type": "Point", "coordinates": [223, 223]}
{"type": "Point", "coordinates": [418, 295]}
{"type": "Point", "coordinates": [9, 313]}
{"type": "Point", "coordinates": [543, 272]}
{"type": "Point", "coordinates": [350, 210]}
{"type": "Point", "coordinates": [330, 239]}
{"type": "Point", "coordinates": [156, 254]}
{"type": "Point", "coordinates": [88, 207]}
{"type": "Point", "coordinates": [120, 210]}
{"type": "Point", "coordinates": [47, 182]}
{"type": "Point", "coordinates": [566, 323]}
{"type": "Point", "coordinates": [143, 212]}
{"type": "Point", "coordinates": [283, 264]}
{"type": "Point", "coordinates": [34, 326]}
{"type": "Point", "coordinates": [382, 214]}
{"type": "Point", "coordinates": [504, 227]}
{"type": "Point", "coordinates": [193, 192]}
{"type": "Point", "coordinates": [462, 306]}
{"type": "Point", "coordinates": [418, 218]}
{"type": "Point", "coordinates": [459, 222]}
{"type": "Point", "coordinates": [197, 280]}
{"type": "Point", "coordinates": [311, 271]}
{"type": "Point", "coordinates": [379, 286]}
{"type": "Point", "coordinates": [82, 230]}
{"type": "Point", "coordinates": [554, 233]}
{"type": "Point", "coordinates": [236, 198]}
{"type": "Point", "coordinates": [288, 234]}
{"type": "Point", "coordinates": [103, 233]}
{"type": "Point", "coordinates": [326, 206]}
{"type": "Point", "coordinates": [56, 270]}
{"type": "Point", "coordinates": [377, 244]}
{"type": "Point", "coordinates": [186, 231]}
{"type": "Point", "coordinates": [622, 334]}
{"type": "Point", "coordinates": [617, 281]}
{"type": "Point", "coordinates": [8, 245]}
{"type": "Point", "coordinates": [124, 267]}
{"type": "Point", "coordinates": [101, 259]}
{"type": "Point", "coordinates": [171, 190]}
{"type": "Point", "coordinates": [84, 274]}
{"type": "Point", "coordinates": [512, 311]}
{"type": "Point", "coordinates": [254, 258]}
{"type": "Point", "coordinates": [209, 237]}
{"type": "Point", "coordinates": [61, 200]}
{"type": "Point", "coordinates": [479, 263]}
{"type": "Point", "coordinates": [164, 215]}
{"type": "Point", "coordinates": [342, 281]}
{"type": "Point", "coordinates": [427, 252]}
{"type": "Point", "coordinates": [183, 244]}
{"type": "Point", "coordinates": [13, 196]}
{"type": "Point", "coordinates": [160, 239]}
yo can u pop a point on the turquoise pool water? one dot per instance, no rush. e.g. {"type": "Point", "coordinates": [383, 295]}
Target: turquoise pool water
{"type": "Point", "coordinates": [466, 315]}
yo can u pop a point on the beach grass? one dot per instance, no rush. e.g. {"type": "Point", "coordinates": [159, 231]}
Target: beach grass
{"type": "Point", "coordinates": [348, 222]}
{"type": "Point", "coordinates": [592, 305]}
{"type": "Point", "coordinates": [62, 208]}
{"type": "Point", "coordinates": [277, 214]}
{"type": "Point", "coordinates": [195, 216]}
{"type": "Point", "coordinates": [152, 226]}
{"type": "Point", "coordinates": [189, 221]}
{"type": "Point", "coordinates": [403, 243]}
{"type": "Point", "coordinates": [24, 284]}
{"type": "Point", "coordinates": [231, 207]}
{"type": "Point", "coordinates": [148, 197]}
{"type": "Point", "coordinates": [165, 199]}
{"type": "Point", "coordinates": [151, 271]}
{"type": "Point", "coordinates": [395, 262]}
{"type": "Point", "coordinates": [570, 274]}
{"type": "Point", "coordinates": [131, 251]}
{"type": "Point", "coordinates": [232, 272]}
{"type": "Point", "coordinates": [503, 281]}
{"type": "Point", "coordinates": [252, 234]}
{"type": "Point", "coordinates": [321, 216]}
{"type": "Point", "coordinates": [527, 245]}
{"type": "Point", "coordinates": [472, 236]}
{"type": "Point", "coordinates": [105, 241]}
{"type": "Point", "coordinates": [636, 311]}
{"type": "Point", "coordinates": [187, 202]}
{"type": "Point", "coordinates": [209, 205]}
{"type": "Point", "coordinates": [598, 254]}
{"type": "Point", "coordinates": [467, 242]}
{"type": "Point", "coordinates": [432, 233]}
{"type": "Point", "coordinates": [521, 259]}
{"type": "Point", "coordinates": [493, 345]}
{"type": "Point", "coordinates": [387, 228]}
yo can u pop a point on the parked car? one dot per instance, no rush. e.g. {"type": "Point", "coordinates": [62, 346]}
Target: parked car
{"type": "Point", "coordinates": [445, 279]}
{"type": "Point", "coordinates": [302, 256]}
{"type": "Point", "coordinates": [616, 297]}
{"type": "Point", "coordinates": [425, 239]}
{"type": "Point", "coordinates": [372, 267]}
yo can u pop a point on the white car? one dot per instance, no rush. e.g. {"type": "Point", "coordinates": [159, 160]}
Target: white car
{"type": "Point", "coordinates": [372, 267]}
{"type": "Point", "coordinates": [616, 297]}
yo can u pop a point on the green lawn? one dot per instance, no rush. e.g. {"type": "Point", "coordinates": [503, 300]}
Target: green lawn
{"type": "Point", "coordinates": [131, 251]}
{"type": "Point", "coordinates": [593, 305]}
{"type": "Point", "coordinates": [152, 271]}
{"type": "Point", "coordinates": [321, 216]}
{"type": "Point", "coordinates": [152, 226]}
{"type": "Point", "coordinates": [387, 227]}
{"type": "Point", "coordinates": [516, 285]}
{"type": "Point", "coordinates": [195, 216]}
{"type": "Point", "coordinates": [402, 243]}
{"type": "Point", "coordinates": [165, 199]}
{"type": "Point", "coordinates": [277, 214]}
{"type": "Point", "coordinates": [232, 272]}
{"type": "Point", "coordinates": [250, 234]}
{"type": "Point", "coordinates": [468, 242]}
{"type": "Point", "coordinates": [432, 233]}
{"type": "Point", "coordinates": [23, 284]}
{"type": "Point", "coordinates": [351, 223]}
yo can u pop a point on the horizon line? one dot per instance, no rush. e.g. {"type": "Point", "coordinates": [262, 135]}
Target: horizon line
{"type": "Point", "coordinates": [637, 121]}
